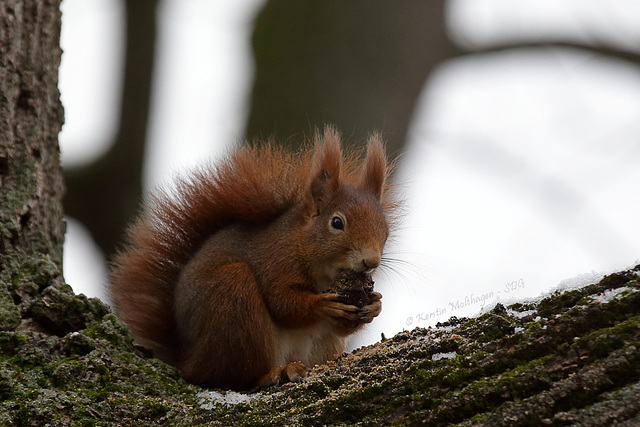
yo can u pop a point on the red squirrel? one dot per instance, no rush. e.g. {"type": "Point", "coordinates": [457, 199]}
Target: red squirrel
{"type": "Point", "coordinates": [226, 276]}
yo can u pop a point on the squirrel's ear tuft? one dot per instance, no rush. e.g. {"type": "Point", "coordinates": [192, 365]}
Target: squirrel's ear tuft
{"type": "Point", "coordinates": [326, 165]}
{"type": "Point", "coordinates": [374, 171]}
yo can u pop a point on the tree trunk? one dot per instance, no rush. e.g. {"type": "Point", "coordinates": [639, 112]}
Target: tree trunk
{"type": "Point", "coordinates": [357, 64]}
{"type": "Point", "coordinates": [31, 116]}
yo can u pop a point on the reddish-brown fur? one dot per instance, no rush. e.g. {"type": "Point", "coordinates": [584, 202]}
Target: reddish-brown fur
{"type": "Point", "coordinates": [223, 278]}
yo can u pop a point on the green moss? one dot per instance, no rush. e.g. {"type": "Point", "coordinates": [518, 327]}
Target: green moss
{"type": "Point", "coordinates": [558, 302]}
{"type": "Point", "coordinates": [27, 177]}
{"type": "Point", "coordinates": [62, 312]}
{"type": "Point", "coordinates": [42, 271]}
{"type": "Point", "coordinates": [318, 390]}
{"type": "Point", "coordinates": [348, 407]}
{"type": "Point", "coordinates": [522, 306]}
{"type": "Point", "coordinates": [110, 329]}
{"type": "Point", "coordinates": [9, 313]}
{"type": "Point", "coordinates": [80, 374]}
{"type": "Point", "coordinates": [604, 341]}
{"type": "Point", "coordinates": [335, 381]}
{"type": "Point", "coordinates": [493, 327]}
{"type": "Point", "coordinates": [615, 280]}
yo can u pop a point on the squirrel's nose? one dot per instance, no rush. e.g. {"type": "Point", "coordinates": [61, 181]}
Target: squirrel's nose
{"type": "Point", "coordinates": [370, 263]}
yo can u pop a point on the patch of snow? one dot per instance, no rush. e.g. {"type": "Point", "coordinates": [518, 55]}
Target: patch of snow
{"type": "Point", "coordinates": [518, 329]}
{"type": "Point", "coordinates": [439, 356]}
{"type": "Point", "coordinates": [520, 314]}
{"type": "Point", "coordinates": [579, 281]}
{"type": "Point", "coordinates": [210, 399]}
{"type": "Point", "coordinates": [611, 294]}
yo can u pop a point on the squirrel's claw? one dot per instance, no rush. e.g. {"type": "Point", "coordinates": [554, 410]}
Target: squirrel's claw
{"type": "Point", "coordinates": [350, 316]}
{"type": "Point", "coordinates": [293, 372]}
{"type": "Point", "coordinates": [372, 310]}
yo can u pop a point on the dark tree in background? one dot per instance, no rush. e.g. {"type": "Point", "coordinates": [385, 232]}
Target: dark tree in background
{"type": "Point", "coordinates": [31, 116]}
{"type": "Point", "coordinates": [104, 194]}
{"type": "Point", "coordinates": [358, 64]}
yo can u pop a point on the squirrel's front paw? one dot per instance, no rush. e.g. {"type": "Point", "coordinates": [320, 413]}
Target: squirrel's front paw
{"type": "Point", "coordinates": [373, 309]}
{"type": "Point", "coordinates": [350, 316]}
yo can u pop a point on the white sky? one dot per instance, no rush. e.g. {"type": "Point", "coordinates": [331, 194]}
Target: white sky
{"type": "Point", "coordinates": [521, 169]}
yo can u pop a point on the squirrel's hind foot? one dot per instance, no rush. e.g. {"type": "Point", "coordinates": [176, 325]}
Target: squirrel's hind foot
{"type": "Point", "coordinates": [292, 372]}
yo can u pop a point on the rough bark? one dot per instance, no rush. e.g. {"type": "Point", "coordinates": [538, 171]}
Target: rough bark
{"type": "Point", "coordinates": [571, 359]}
{"type": "Point", "coordinates": [31, 118]}
{"type": "Point", "coordinates": [31, 187]}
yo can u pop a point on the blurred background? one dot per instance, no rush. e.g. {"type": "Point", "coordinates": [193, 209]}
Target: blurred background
{"type": "Point", "coordinates": [517, 125]}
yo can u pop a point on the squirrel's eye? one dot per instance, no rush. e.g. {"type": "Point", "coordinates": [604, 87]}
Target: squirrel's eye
{"type": "Point", "coordinates": [336, 222]}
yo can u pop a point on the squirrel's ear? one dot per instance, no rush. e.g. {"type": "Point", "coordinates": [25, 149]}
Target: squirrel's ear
{"type": "Point", "coordinates": [325, 169]}
{"type": "Point", "coordinates": [374, 172]}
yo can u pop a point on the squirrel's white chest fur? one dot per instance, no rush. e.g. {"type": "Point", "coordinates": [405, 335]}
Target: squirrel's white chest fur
{"type": "Point", "coordinates": [311, 346]}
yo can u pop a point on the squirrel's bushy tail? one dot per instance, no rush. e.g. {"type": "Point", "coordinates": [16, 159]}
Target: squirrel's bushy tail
{"type": "Point", "coordinates": [252, 185]}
